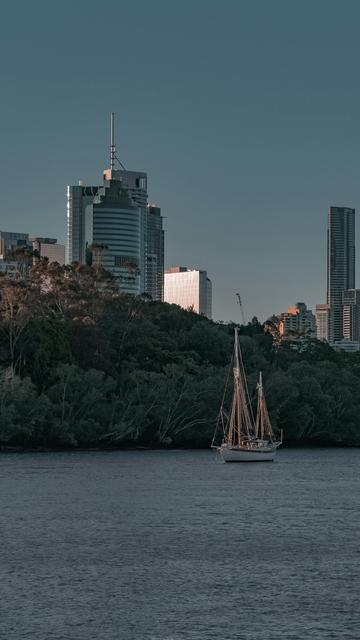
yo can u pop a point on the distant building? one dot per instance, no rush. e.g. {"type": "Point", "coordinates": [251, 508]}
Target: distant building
{"type": "Point", "coordinates": [49, 248]}
{"type": "Point", "coordinates": [297, 320]}
{"type": "Point", "coordinates": [350, 346]}
{"type": "Point", "coordinates": [340, 265]}
{"type": "Point", "coordinates": [11, 270]}
{"type": "Point", "coordinates": [116, 216]}
{"type": "Point", "coordinates": [189, 288]}
{"type": "Point", "coordinates": [322, 313]}
{"type": "Point", "coordinates": [112, 233]}
{"type": "Point", "coordinates": [351, 314]}
{"type": "Point", "coordinates": [79, 199]}
{"type": "Point", "coordinates": [154, 266]}
{"type": "Point", "coordinates": [10, 241]}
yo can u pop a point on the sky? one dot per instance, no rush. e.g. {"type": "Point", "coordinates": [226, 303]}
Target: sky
{"type": "Point", "coordinates": [244, 113]}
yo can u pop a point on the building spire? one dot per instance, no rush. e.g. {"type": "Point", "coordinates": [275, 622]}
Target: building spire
{"type": "Point", "coordinates": [112, 142]}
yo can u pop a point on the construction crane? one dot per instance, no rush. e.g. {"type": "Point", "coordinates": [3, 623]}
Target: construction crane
{"type": "Point", "coordinates": [241, 308]}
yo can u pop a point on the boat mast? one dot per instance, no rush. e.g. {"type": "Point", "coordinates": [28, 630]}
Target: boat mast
{"type": "Point", "coordinates": [237, 387]}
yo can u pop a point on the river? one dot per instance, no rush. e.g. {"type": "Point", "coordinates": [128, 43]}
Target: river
{"type": "Point", "coordinates": [173, 545]}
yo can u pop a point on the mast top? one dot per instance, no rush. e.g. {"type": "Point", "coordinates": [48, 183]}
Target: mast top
{"type": "Point", "coordinates": [112, 141]}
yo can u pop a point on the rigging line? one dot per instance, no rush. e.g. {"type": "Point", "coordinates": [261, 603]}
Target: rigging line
{"type": "Point", "coordinates": [247, 395]}
{"type": "Point", "coordinates": [222, 403]}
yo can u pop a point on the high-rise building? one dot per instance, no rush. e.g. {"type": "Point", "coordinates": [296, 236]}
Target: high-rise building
{"type": "Point", "coordinates": [116, 217]}
{"type": "Point", "coordinates": [322, 313]}
{"type": "Point", "coordinates": [79, 197]}
{"type": "Point", "coordinates": [49, 248]}
{"type": "Point", "coordinates": [154, 266]}
{"type": "Point", "coordinates": [351, 314]}
{"type": "Point", "coordinates": [340, 265]}
{"type": "Point", "coordinates": [299, 320]}
{"type": "Point", "coordinates": [112, 234]}
{"type": "Point", "coordinates": [135, 184]}
{"type": "Point", "coordinates": [10, 241]}
{"type": "Point", "coordinates": [191, 289]}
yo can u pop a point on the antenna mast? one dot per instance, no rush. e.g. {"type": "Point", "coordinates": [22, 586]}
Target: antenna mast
{"type": "Point", "coordinates": [112, 142]}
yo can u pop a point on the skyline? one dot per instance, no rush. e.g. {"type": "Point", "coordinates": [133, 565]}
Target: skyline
{"type": "Point", "coordinates": [245, 152]}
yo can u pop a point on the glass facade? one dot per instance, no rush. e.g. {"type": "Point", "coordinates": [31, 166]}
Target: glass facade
{"type": "Point", "coordinates": [340, 264]}
{"type": "Point", "coordinates": [154, 264]}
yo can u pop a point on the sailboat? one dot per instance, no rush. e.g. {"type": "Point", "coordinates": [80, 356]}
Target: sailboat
{"type": "Point", "coordinates": [245, 438]}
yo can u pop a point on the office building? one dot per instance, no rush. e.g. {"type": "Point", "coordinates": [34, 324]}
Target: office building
{"type": "Point", "coordinates": [297, 320]}
{"type": "Point", "coordinates": [351, 314]}
{"type": "Point", "coordinates": [49, 248]}
{"type": "Point", "coordinates": [340, 265]}
{"type": "Point", "coordinates": [350, 346]}
{"type": "Point", "coordinates": [116, 217]}
{"type": "Point", "coordinates": [154, 266]}
{"type": "Point", "coordinates": [135, 184]}
{"type": "Point", "coordinates": [322, 313]}
{"type": "Point", "coordinates": [79, 198]}
{"type": "Point", "coordinates": [112, 233]}
{"type": "Point", "coordinates": [10, 241]}
{"type": "Point", "coordinates": [191, 289]}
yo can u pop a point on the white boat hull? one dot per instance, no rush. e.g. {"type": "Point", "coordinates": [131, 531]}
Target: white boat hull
{"type": "Point", "coordinates": [242, 454]}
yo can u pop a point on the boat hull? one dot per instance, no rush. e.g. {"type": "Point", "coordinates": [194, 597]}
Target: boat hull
{"type": "Point", "coordinates": [242, 454]}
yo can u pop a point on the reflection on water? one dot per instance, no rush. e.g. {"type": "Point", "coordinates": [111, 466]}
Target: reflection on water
{"type": "Point", "coordinates": [171, 545]}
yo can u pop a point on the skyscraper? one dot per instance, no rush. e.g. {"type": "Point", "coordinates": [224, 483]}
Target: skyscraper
{"type": "Point", "coordinates": [115, 217]}
{"type": "Point", "coordinates": [340, 264]}
{"type": "Point", "coordinates": [154, 267]}
{"type": "Point", "coordinates": [112, 233]}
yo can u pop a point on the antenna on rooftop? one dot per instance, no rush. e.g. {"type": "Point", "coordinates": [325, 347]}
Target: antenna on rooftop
{"type": "Point", "coordinates": [113, 155]}
{"type": "Point", "coordinates": [112, 142]}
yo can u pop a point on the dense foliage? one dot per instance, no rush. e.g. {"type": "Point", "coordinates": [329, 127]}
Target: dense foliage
{"type": "Point", "coordinates": [83, 365]}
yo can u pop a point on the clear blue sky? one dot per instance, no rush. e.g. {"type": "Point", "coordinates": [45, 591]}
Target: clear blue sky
{"type": "Point", "coordinates": [244, 113]}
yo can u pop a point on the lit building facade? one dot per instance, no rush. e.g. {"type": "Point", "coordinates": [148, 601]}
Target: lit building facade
{"type": "Point", "coordinates": [322, 313]}
{"type": "Point", "coordinates": [340, 265]}
{"type": "Point", "coordinates": [299, 320]}
{"type": "Point", "coordinates": [191, 289]}
{"type": "Point", "coordinates": [351, 314]}
{"type": "Point", "coordinates": [49, 248]}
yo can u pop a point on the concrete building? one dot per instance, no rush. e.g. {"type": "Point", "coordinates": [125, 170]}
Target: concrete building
{"type": "Point", "coordinates": [322, 314]}
{"type": "Point", "coordinates": [340, 265]}
{"type": "Point", "coordinates": [351, 314]}
{"type": "Point", "coordinates": [154, 266]}
{"type": "Point", "coordinates": [10, 241]}
{"type": "Point", "coordinates": [191, 289]}
{"type": "Point", "coordinates": [49, 248]}
{"type": "Point", "coordinates": [297, 320]}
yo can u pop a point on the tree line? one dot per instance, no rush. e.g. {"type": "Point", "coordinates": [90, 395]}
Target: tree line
{"type": "Point", "coordinates": [82, 364]}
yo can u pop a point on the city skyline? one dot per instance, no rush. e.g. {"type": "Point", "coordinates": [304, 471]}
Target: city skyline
{"type": "Point", "coordinates": [244, 165]}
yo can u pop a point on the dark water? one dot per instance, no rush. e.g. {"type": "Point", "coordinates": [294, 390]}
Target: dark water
{"type": "Point", "coordinates": [170, 545]}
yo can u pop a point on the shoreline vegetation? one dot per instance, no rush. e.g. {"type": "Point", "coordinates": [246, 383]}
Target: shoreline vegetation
{"type": "Point", "coordinates": [83, 366]}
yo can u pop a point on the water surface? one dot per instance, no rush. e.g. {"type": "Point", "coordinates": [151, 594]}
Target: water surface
{"type": "Point", "coordinates": [171, 545]}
